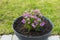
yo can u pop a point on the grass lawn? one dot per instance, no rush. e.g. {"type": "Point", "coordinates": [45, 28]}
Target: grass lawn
{"type": "Point", "coordinates": [12, 9]}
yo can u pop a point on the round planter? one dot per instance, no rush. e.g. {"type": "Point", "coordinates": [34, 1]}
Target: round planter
{"type": "Point", "coordinates": [24, 37]}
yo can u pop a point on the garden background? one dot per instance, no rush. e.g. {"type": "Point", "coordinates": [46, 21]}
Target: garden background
{"type": "Point", "coordinates": [12, 9]}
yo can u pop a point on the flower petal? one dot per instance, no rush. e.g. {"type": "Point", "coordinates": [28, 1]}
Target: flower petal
{"type": "Point", "coordinates": [36, 11]}
{"type": "Point", "coordinates": [42, 24]}
{"type": "Point", "coordinates": [23, 21]}
{"type": "Point", "coordinates": [33, 25]}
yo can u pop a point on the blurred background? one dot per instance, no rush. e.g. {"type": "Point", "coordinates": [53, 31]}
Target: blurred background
{"type": "Point", "coordinates": [12, 9]}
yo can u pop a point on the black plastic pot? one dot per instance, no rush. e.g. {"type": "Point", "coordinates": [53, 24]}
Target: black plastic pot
{"type": "Point", "coordinates": [24, 37]}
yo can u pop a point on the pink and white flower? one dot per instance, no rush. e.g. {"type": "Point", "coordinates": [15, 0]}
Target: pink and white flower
{"type": "Point", "coordinates": [34, 26]}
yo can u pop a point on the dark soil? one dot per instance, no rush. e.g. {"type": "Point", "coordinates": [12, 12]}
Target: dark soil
{"type": "Point", "coordinates": [18, 26]}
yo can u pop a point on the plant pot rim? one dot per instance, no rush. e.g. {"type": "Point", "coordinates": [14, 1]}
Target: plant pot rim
{"type": "Point", "coordinates": [34, 36]}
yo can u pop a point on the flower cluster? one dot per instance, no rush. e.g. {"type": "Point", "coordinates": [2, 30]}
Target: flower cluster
{"type": "Point", "coordinates": [33, 21]}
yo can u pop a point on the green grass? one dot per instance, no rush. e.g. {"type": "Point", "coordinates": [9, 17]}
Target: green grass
{"type": "Point", "coordinates": [12, 9]}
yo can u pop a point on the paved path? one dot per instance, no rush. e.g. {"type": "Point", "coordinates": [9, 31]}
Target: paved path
{"type": "Point", "coordinates": [14, 37]}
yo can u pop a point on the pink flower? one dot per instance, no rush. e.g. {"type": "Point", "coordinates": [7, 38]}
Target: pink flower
{"type": "Point", "coordinates": [32, 17]}
{"type": "Point", "coordinates": [23, 21]}
{"type": "Point", "coordinates": [38, 19]}
{"type": "Point", "coordinates": [42, 24]}
{"type": "Point", "coordinates": [35, 17]}
{"type": "Point", "coordinates": [34, 26]}
{"type": "Point", "coordinates": [35, 22]}
{"type": "Point", "coordinates": [36, 11]}
{"type": "Point", "coordinates": [27, 15]}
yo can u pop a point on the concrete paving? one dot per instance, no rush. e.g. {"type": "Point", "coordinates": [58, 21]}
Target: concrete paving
{"type": "Point", "coordinates": [14, 37]}
{"type": "Point", "coordinates": [6, 37]}
{"type": "Point", "coordinates": [54, 38]}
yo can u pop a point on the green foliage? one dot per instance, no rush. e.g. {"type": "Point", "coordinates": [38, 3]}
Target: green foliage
{"type": "Point", "coordinates": [31, 20]}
